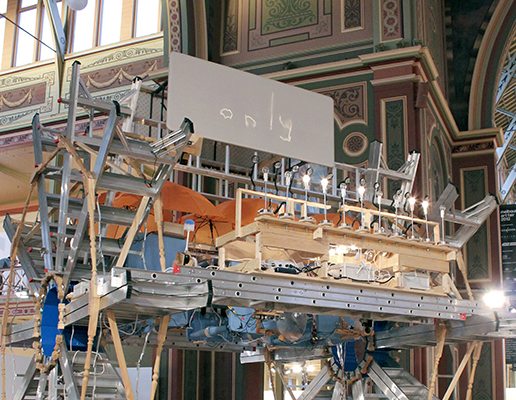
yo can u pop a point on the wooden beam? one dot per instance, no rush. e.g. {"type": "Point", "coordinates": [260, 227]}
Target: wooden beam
{"type": "Point", "coordinates": [162, 335]}
{"type": "Point", "coordinates": [471, 346]}
{"type": "Point", "coordinates": [476, 357]}
{"type": "Point", "coordinates": [440, 336]}
{"type": "Point", "coordinates": [120, 354]}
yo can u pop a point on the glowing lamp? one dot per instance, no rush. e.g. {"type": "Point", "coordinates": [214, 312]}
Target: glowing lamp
{"type": "Point", "coordinates": [494, 299]}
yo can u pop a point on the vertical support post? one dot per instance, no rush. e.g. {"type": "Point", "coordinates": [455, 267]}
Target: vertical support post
{"type": "Point", "coordinates": [94, 298]}
{"type": "Point", "coordinates": [52, 383]}
{"type": "Point", "coordinates": [222, 257]}
{"type": "Point", "coordinates": [238, 213]}
{"type": "Point", "coordinates": [42, 195]}
{"type": "Point", "coordinates": [440, 336]}
{"type": "Point", "coordinates": [258, 248]}
{"type": "Point", "coordinates": [269, 365]}
{"type": "Point", "coordinates": [476, 357]}
{"type": "Point", "coordinates": [226, 171]}
{"type": "Point", "coordinates": [119, 355]}
{"type": "Point", "coordinates": [158, 216]}
{"type": "Point", "coordinates": [458, 373]}
{"type": "Point", "coordinates": [67, 165]}
{"type": "Point", "coordinates": [199, 176]}
{"type": "Point", "coordinates": [162, 335]}
{"type": "Point", "coordinates": [14, 253]}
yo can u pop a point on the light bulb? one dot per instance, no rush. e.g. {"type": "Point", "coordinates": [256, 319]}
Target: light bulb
{"type": "Point", "coordinates": [265, 171]}
{"type": "Point", "coordinates": [297, 368]}
{"type": "Point", "coordinates": [306, 179]}
{"type": "Point", "coordinates": [324, 184]}
{"type": "Point", "coordinates": [361, 191]}
{"type": "Point", "coordinates": [288, 176]}
{"type": "Point", "coordinates": [310, 368]}
{"type": "Point", "coordinates": [425, 205]}
{"type": "Point", "coordinates": [412, 201]}
{"type": "Point", "coordinates": [332, 251]}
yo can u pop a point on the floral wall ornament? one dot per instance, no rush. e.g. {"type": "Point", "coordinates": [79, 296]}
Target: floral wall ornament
{"type": "Point", "coordinates": [120, 75]}
{"type": "Point", "coordinates": [18, 103]}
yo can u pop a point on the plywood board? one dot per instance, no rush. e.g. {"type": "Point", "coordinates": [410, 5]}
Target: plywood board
{"type": "Point", "coordinates": [243, 109]}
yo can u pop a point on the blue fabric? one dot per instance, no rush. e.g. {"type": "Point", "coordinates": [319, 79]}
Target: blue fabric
{"type": "Point", "coordinates": [49, 321]}
{"type": "Point", "coordinates": [172, 245]}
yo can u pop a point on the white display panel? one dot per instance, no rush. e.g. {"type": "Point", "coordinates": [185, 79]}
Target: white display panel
{"type": "Point", "coordinates": [243, 109]}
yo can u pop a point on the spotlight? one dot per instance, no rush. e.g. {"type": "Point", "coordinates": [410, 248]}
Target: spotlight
{"type": "Point", "coordinates": [324, 185]}
{"type": "Point", "coordinates": [361, 192]}
{"type": "Point", "coordinates": [287, 214]}
{"type": "Point", "coordinates": [265, 210]}
{"type": "Point", "coordinates": [494, 299]}
{"type": "Point", "coordinates": [412, 203]}
{"type": "Point", "coordinates": [306, 182]}
{"type": "Point", "coordinates": [425, 204]}
{"type": "Point", "coordinates": [297, 368]}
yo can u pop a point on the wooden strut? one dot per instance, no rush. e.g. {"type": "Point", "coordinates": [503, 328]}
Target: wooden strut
{"type": "Point", "coordinates": [120, 354]}
{"type": "Point", "coordinates": [471, 346]}
{"type": "Point", "coordinates": [476, 357]}
{"type": "Point", "coordinates": [163, 326]}
{"type": "Point", "coordinates": [440, 336]}
{"type": "Point", "coordinates": [282, 377]}
{"type": "Point", "coordinates": [14, 253]}
{"type": "Point", "coordinates": [162, 335]}
{"type": "Point", "coordinates": [269, 366]}
{"type": "Point", "coordinates": [462, 268]}
{"type": "Point", "coordinates": [94, 298]}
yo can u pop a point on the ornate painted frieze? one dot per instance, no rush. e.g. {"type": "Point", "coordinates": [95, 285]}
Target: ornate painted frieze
{"type": "Point", "coordinates": [119, 68]}
{"type": "Point", "coordinates": [394, 128]}
{"type": "Point", "coordinates": [280, 22]}
{"type": "Point", "coordinates": [15, 140]}
{"type": "Point", "coordinates": [230, 31]}
{"type": "Point", "coordinates": [352, 14]}
{"type": "Point", "coordinates": [391, 20]}
{"type": "Point", "coordinates": [174, 22]}
{"type": "Point", "coordinates": [473, 147]}
{"type": "Point", "coordinates": [355, 144]}
{"type": "Point", "coordinates": [267, 30]}
{"type": "Point", "coordinates": [349, 103]}
{"type": "Point", "coordinates": [473, 189]}
{"type": "Point", "coordinates": [22, 96]}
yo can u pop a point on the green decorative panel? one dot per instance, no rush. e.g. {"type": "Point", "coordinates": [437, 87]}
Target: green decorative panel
{"type": "Point", "coordinates": [275, 23]}
{"type": "Point", "coordinates": [353, 115]}
{"type": "Point", "coordinates": [483, 385]}
{"type": "Point", "coordinates": [284, 15]}
{"type": "Point", "coordinates": [394, 139]}
{"type": "Point", "coordinates": [352, 14]}
{"type": "Point", "coordinates": [477, 249]}
{"type": "Point", "coordinates": [230, 26]}
{"type": "Point", "coordinates": [190, 375]}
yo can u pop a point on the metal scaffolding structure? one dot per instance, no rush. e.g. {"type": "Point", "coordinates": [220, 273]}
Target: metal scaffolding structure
{"type": "Point", "coordinates": [69, 246]}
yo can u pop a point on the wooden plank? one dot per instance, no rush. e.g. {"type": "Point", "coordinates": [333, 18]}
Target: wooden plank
{"type": "Point", "coordinates": [295, 242]}
{"type": "Point", "coordinates": [428, 264]}
{"type": "Point", "coordinates": [120, 354]}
